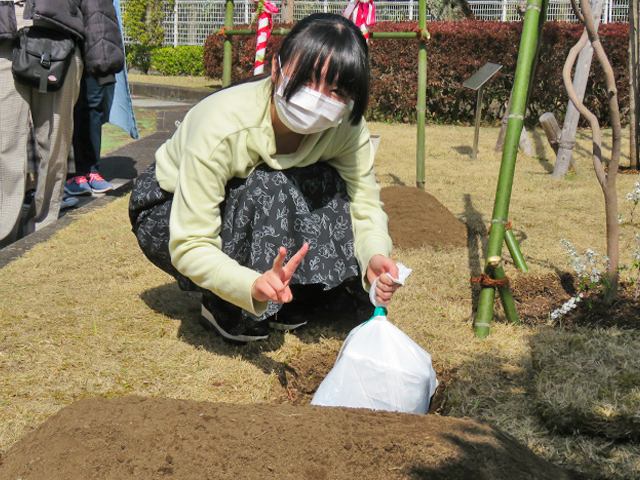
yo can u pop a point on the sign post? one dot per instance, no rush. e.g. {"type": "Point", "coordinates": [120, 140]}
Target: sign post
{"type": "Point", "coordinates": [476, 82]}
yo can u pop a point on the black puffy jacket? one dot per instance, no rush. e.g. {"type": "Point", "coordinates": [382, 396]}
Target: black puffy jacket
{"type": "Point", "coordinates": [94, 22]}
{"type": "Point", "coordinates": [103, 48]}
{"type": "Point", "coordinates": [7, 21]}
{"type": "Point", "coordinates": [62, 15]}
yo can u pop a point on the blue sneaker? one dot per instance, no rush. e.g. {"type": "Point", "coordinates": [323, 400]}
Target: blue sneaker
{"type": "Point", "coordinates": [77, 186]}
{"type": "Point", "coordinates": [98, 184]}
{"type": "Point", "coordinates": [68, 202]}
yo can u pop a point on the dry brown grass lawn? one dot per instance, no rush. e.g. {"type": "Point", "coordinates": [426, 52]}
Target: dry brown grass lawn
{"type": "Point", "coordinates": [589, 381]}
{"type": "Point", "coordinates": [177, 81]}
{"type": "Point", "coordinates": [85, 314]}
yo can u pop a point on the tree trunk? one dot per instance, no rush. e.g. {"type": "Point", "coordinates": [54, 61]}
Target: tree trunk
{"type": "Point", "coordinates": [613, 241]}
{"type": "Point", "coordinates": [286, 11]}
{"type": "Point", "coordinates": [607, 179]}
{"type": "Point", "coordinates": [634, 101]}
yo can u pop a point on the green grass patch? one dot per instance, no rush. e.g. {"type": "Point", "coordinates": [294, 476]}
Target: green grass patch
{"type": "Point", "coordinates": [114, 137]}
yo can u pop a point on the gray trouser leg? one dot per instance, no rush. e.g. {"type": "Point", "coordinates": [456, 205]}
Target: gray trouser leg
{"type": "Point", "coordinates": [14, 111]}
{"type": "Point", "coordinates": [52, 114]}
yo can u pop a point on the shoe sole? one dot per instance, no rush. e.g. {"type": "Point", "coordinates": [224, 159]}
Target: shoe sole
{"type": "Point", "coordinates": [104, 190]}
{"type": "Point", "coordinates": [211, 325]}
{"type": "Point", "coordinates": [286, 326]}
{"type": "Point", "coordinates": [78, 194]}
{"type": "Point", "coordinates": [64, 206]}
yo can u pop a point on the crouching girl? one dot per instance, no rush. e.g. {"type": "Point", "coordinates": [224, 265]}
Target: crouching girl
{"type": "Point", "coordinates": [269, 185]}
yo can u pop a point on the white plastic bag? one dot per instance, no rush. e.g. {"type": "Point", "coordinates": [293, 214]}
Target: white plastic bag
{"type": "Point", "coordinates": [381, 368]}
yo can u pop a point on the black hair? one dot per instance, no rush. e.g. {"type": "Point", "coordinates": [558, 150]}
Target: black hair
{"type": "Point", "coordinates": [323, 36]}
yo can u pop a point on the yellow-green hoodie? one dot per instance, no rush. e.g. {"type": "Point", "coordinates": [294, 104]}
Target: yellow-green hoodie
{"type": "Point", "coordinates": [228, 135]}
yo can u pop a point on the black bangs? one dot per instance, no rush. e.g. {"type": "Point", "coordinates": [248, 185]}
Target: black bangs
{"type": "Point", "coordinates": [326, 36]}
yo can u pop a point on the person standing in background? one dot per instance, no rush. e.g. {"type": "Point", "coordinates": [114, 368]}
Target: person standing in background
{"type": "Point", "coordinates": [104, 54]}
{"type": "Point", "coordinates": [51, 112]}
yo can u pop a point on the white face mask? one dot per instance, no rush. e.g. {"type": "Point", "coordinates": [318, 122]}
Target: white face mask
{"type": "Point", "coordinates": [308, 111]}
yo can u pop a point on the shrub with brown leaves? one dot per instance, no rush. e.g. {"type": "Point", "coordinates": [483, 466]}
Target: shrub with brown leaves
{"type": "Point", "coordinates": [456, 51]}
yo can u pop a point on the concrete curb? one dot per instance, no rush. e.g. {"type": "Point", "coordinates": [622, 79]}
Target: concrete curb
{"type": "Point", "coordinates": [169, 92]}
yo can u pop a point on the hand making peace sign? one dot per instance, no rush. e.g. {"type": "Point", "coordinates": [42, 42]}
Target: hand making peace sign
{"type": "Point", "coordinates": [274, 284]}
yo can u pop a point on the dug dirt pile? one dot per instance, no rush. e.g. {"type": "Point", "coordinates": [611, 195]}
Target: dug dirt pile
{"type": "Point", "coordinates": [417, 218]}
{"type": "Point", "coordinates": [153, 438]}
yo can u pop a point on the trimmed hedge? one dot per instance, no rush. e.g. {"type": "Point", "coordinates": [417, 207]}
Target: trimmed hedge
{"type": "Point", "coordinates": [456, 51]}
{"type": "Point", "coordinates": [184, 60]}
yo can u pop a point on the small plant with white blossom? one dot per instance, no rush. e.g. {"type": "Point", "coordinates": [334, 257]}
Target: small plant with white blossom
{"type": "Point", "coordinates": [589, 269]}
{"type": "Point", "coordinates": [567, 307]}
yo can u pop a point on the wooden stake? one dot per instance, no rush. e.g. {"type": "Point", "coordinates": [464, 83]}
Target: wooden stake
{"type": "Point", "coordinates": [551, 129]}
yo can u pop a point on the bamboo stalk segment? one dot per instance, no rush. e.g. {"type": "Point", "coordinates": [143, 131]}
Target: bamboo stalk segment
{"type": "Point", "coordinates": [534, 20]}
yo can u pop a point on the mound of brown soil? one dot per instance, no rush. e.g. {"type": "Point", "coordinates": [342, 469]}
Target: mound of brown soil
{"type": "Point", "coordinates": [152, 438]}
{"type": "Point", "coordinates": [417, 218]}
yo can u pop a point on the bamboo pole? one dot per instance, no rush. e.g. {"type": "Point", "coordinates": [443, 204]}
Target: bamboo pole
{"type": "Point", "coordinates": [514, 250]}
{"type": "Point", "coordinates": [531, 33]}
{"type": "Point", "coordinates": [422, 95]}
{"type": "Point", "coordinates": [228, 51]}
{"type": "Point", "coordinates": [525, 143]}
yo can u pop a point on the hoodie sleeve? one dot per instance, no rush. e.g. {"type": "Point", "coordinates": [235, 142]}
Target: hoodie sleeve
{"type": "Point", "coordinates": [354, 162]}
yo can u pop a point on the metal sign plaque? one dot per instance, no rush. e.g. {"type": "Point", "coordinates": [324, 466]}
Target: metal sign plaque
{"type": "Point", "coordinates": [481, 77]}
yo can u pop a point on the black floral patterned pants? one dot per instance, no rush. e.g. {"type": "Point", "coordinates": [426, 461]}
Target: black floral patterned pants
{"type": "Point", "coordinates": [269, 209]}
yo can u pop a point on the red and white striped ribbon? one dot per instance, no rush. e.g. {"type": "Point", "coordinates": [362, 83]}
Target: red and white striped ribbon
{"type": "Point", "coordinates": [264, 10]}
{"type": "Point", "coordinates": [362, 13]}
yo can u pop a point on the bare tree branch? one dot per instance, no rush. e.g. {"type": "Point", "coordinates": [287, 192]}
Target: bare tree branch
{"type": "Point", "coordinates": [576, 11]}
{"type": "Point", "coordinates": [593, 120]}
{"type": "Point", "coordinates": [612, 91]}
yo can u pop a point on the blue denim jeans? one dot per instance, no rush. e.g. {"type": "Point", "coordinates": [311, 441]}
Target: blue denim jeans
{"type": "Point", "coordinates": [90, 113]}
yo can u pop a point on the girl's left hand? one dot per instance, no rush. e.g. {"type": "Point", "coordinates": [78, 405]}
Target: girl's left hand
{"type": "Point", "coordinates": [381, 267]}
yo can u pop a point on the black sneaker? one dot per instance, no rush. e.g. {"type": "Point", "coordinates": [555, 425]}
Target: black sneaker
{"type": "Point", "coordinates": [229, 333]}
{"type": "Point", "coordinates": [28, 198]}
{"type": "Point", "coordinates": [286, 322]}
